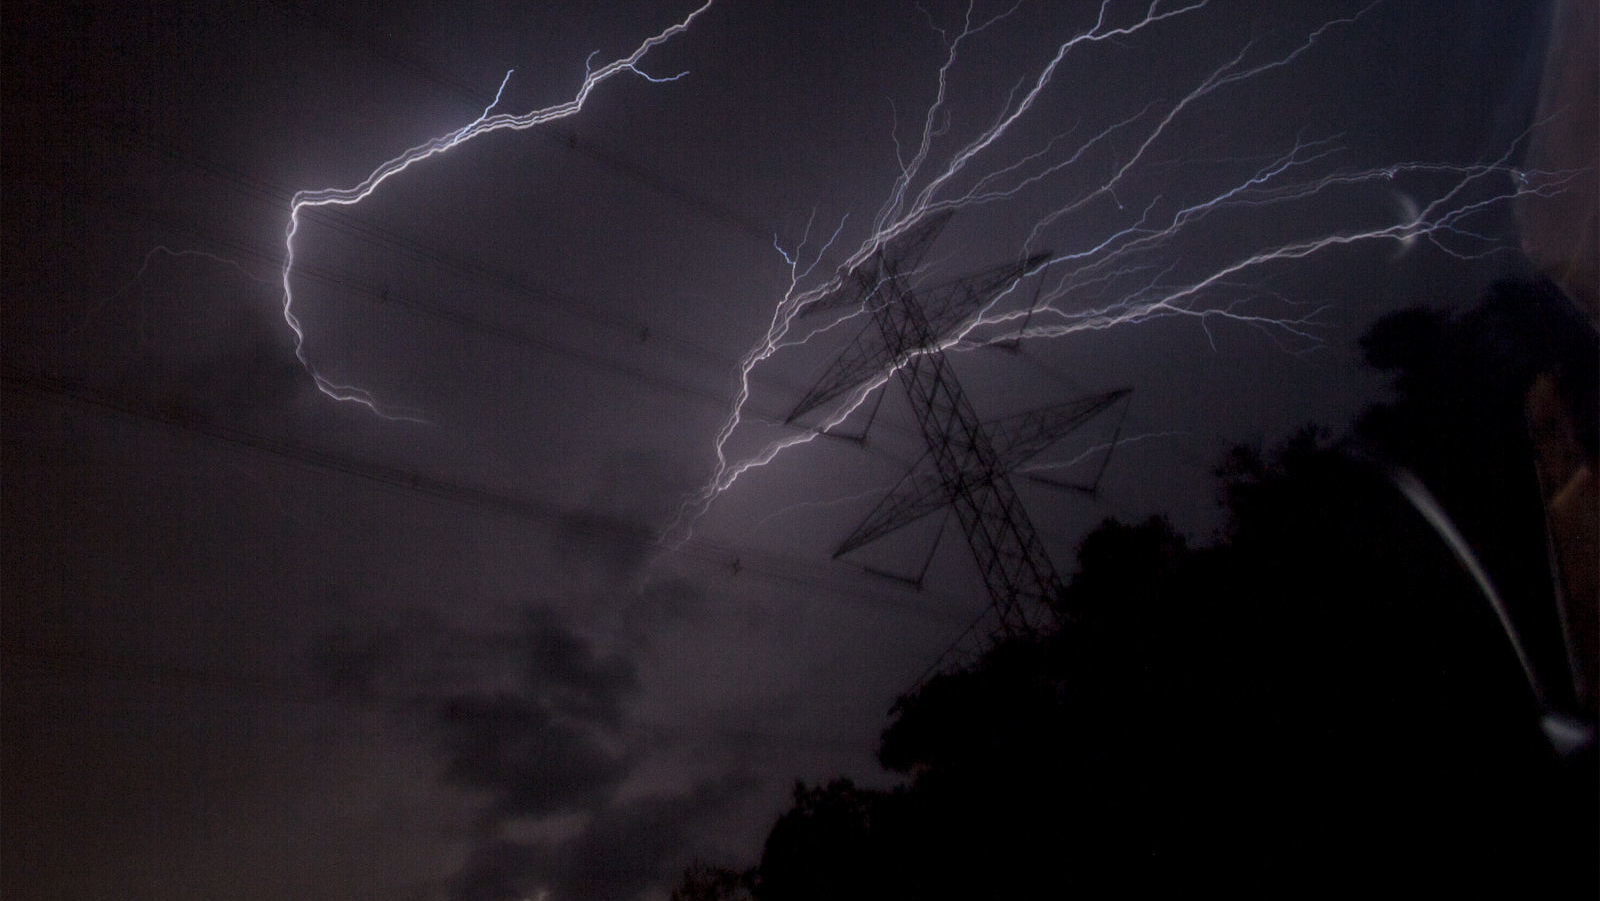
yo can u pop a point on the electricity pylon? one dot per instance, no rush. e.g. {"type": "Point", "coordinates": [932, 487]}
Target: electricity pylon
{"type": "Point", "coordinates": [968, 463]}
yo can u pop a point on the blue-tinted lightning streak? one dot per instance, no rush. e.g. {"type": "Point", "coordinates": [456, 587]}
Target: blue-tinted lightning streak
{"type": "Point", "coordinates": [1094, 449]}
{"type": "Point", "coordinates": [1442, 222]}
{"type": "Point", "coordinates": [895, 217]}
{"type": "Point", "coordinates": [1118, 278]}
{"type": "Point", "coordinates": [486, 122]}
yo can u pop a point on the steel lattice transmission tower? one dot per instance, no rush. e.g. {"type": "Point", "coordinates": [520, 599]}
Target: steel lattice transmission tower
{"type": "Point", "coordinates": [968, 463]}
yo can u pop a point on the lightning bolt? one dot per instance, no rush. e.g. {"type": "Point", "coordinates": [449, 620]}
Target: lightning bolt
{"type": "Point", "coordinates": [1093, 449]}
{"type": "Point", "coordinates": [488, 121]}
{"type": "Point", "coordinates": [1120, 277]}
{"type": "Point", "coordinates": [144, 267]}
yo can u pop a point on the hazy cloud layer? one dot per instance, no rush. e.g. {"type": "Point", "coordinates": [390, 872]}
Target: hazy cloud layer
{"type": "Point", "coordinates": [626, 848]}
{"type": "Point", "coordinates": [538, 722]}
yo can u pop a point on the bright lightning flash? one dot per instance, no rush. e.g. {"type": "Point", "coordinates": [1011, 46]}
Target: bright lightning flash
{"type": "Point", "coordinates": [483, 124]}
{"type": "Point", "coordinates": [1118, 278]}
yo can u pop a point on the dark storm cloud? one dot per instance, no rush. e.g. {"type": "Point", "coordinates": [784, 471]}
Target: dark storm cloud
{"type": "Point", "coordinates": [531, 761]}
{"type": "Point", "coordinates": [418, 658]}
{"type": "Point", "coordinates": [625, 849]}
{"type": "Point", "coordinates": [554, 743]}
{"type": "Point", "coordinates": [662, 605]}
{"type": "Point", "coordinates": [411, 657]}
{"type": "Point", "coordinates": [607, 541]}
{"type": "Point", "coordinates": [185, 333]}
{"type": "Point", "coordinates": [252, 374]}
{"type": "Point", "coordinates": [569, 676]}
{"type": "Point", "coordinates": [610, 547]}
{"type": "Point", "coordinates": [346, 663]}
{"type": "Point", "coordinates": [551, 739]}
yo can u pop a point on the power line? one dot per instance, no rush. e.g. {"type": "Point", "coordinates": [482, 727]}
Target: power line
{"type": "Point", "coordinates": [971, 460]}
{"type": "Point", "coordinates": [475, 270]}
{"type": "Point", "coordinates": [382, 296]}
{"type": "Point", "coordinates": [769, 567]}
{"type": "Point", "coordinates": [494, 278]}
{"type": "Point", "coordinates": [475, 98]}
{"type": "Point", "coordinates": [33, 662]}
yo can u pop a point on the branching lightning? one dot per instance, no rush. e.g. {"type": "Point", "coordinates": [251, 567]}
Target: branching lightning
{"type": "Point", "coordinates": [486, 122]}
{"type": "Point", "coordinates": [144, 267]}
{"type": "Point", "coordinates": [1120, 274]}
{"type": "Point", "coordinates": [1094, 449]}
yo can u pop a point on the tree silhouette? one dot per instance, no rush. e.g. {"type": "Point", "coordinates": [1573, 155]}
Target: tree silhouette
{"type": "Point", "coordinates": [703, 882]}
{"type": "Point", "coordinates": [1321, 700]}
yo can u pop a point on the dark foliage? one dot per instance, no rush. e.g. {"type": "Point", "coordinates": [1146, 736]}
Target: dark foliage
{"type": "Point", "coordinates": [704, 882]}
{"type": "Point", "coordinates": [1320, 702]}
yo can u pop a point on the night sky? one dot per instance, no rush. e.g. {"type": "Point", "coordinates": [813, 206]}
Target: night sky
{"type": "Point", "coordinates": [261, 643]}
